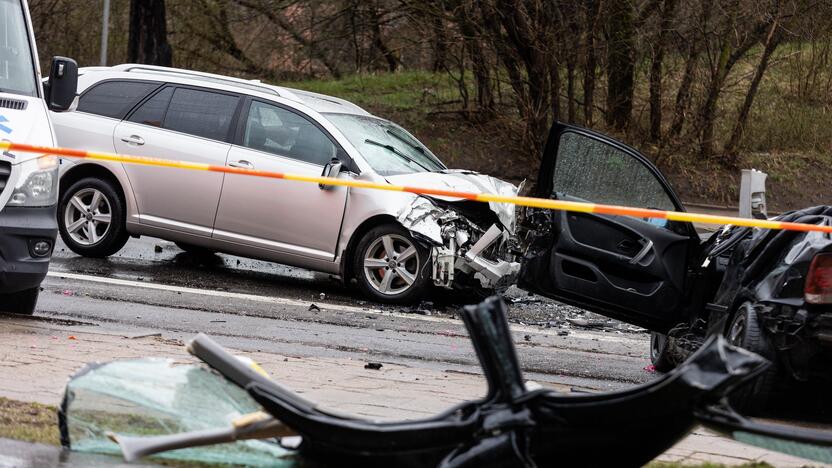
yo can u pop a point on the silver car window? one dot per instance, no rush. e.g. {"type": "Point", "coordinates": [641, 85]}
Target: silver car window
{"type": "Point", "coordinates": [201, 113]}
{"type": "Point", "coordinates": [276, 130]}
{"type": "Point", "coordinates": [388, 148]}
{"type": "Point", "coordinates": [152, 112]}
{"type": "Point", "coordinates": [114, 98]}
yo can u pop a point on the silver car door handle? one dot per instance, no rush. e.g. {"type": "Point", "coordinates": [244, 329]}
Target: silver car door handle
{"type": "Point", "coordinates": [133, 139]}
{"type": "Point", "coordinates": [242, 164]}
{"type": "Point", "coordinates": [648, 246]}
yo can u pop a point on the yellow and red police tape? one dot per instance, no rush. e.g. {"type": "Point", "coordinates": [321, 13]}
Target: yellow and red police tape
{"type": "Point", "coordinates": [481, 197]}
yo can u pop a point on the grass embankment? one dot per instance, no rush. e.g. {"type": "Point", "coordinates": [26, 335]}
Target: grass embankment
{"type": "Point", "coordinates": [31, 422]}
{"type": "Point", "coordinates": [789, 134]}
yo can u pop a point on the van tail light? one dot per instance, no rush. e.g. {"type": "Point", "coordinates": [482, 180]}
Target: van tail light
{"type": "Point", "coordinates": [819, 280]}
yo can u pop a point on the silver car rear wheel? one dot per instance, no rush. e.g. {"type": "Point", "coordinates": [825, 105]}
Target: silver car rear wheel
{"type": "Point", "coordinates": [391, 264]}
{"type": "Point", "coordinates": [88, 216]}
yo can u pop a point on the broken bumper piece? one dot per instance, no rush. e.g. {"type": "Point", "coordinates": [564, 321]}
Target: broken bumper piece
{"type": "Point", "coordinates": [461, 247]}
{"type": "Point", "coordinates": [512, 426]}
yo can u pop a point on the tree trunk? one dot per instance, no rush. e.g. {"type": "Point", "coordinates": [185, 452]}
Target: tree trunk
{"type": "Point", "coordinates": [621, 66]}
{"type": "Point", "coordinates": [555, 83]}
{"type": "Point", "coordinates": [772, 41]}
{"type": "Point", "coordinates": [378, 41]}
{"type": "Point", "coordinates": [667, 14]}
{"type": "Point", "coordinates": [593, 9]}
{"type": "Point", "coordinates": [571, 109]}
{"type": "Point", "coordinates": [440, 44]}
{"type": "Point", "coordinates": [148, 34]}
{"type": "Point", "coordinates": [683, 94]}
{"type": "Point", "coordinates": [473, 42]}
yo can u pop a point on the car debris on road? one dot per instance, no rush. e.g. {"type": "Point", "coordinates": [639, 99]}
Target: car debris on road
{"type": "Point", "coordinates": [513, 425]}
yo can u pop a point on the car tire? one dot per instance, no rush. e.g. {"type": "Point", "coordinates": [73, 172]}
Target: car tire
{"type": "Point", "coordinates": [22, 302]}
{"type": "Point", "coordinates": [195, 249]}
{"type": "Point", "coordinates": [745, 331]}
{"type": "Point", "coordinates": [78, 219]}
{"type": "Point", "coordinates": [372, 263]}
{"type": "Point", "coordinates": [660, 354]}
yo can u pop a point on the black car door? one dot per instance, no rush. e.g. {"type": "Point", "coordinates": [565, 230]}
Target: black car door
{"type": "Point", "coordinates": [628, 268]}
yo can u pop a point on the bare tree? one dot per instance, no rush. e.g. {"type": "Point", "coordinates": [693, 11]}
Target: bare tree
{"type": "Point", "coordinates": [772, 40]}
{"type": "Point", "coordinates": [148, 36]}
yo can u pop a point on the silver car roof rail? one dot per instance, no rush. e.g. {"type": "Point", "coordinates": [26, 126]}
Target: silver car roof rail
{"type": "Point", "coordinates": [254, 85]}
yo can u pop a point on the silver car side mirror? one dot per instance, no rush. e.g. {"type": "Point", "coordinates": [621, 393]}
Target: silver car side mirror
{"type": "Point", "coordinates": [332, 169]}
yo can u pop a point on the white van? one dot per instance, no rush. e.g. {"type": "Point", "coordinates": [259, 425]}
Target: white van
{"type": "Point", "coordinates": [28, 182]}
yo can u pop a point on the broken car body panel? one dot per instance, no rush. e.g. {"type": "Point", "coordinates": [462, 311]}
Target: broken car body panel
{"type": "Point", "coordinates": [769, 269]}
{"type": "Point", "coordinates": [658, 274]}
{"type": "Point", "coordinates": [465, 238]}
{"type": "Point", "coordinates": [510, 426]}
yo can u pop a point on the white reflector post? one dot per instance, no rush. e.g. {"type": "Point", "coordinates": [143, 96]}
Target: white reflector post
{"type": "Point", "coordinates": [753, 194]}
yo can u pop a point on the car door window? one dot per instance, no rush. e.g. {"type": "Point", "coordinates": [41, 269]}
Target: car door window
{"type": "Point", "coordinates": [279, 131]}
{"type": "Point", "coordinates": [114, 98]}
{"type": "Point", "coordinates": [591, 170]}
{"type": "Point", "coordinates": [152, 111]}
{"type": "Point", "coordinates": [201, 113]}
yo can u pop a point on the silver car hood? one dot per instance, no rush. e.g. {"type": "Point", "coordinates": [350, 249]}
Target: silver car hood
{"type": "Point", "coordinates": [464, 181]}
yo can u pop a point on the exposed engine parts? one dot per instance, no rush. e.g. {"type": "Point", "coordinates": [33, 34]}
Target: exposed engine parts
{"type": "Point", "coordinates": [460, 246]}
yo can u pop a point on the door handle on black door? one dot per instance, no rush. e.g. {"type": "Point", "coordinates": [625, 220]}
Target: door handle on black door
{"type": "Point", "coordinates": [627, 246]}
{"type": "Point", "coordinates": [648, 246]}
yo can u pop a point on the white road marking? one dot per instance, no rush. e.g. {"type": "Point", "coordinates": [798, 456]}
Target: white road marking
{"type": "Point", "coordinates": [327, 306]}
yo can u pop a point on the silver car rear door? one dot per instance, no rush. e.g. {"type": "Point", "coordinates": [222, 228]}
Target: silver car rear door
{"type": "Point", "coordinates": [180, 123]}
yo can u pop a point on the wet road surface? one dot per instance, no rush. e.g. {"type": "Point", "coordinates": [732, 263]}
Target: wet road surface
{"type": "Point", "coordinates": [152, 286]}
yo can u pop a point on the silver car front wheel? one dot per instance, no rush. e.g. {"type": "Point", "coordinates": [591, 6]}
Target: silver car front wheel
{"type": "Point", "coordinates": [391, 264]}
{"type": "Point", "coordinates": [88, 216]}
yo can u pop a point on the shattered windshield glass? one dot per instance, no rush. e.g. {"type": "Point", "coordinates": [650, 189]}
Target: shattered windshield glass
{"type": "Point", "coordinates": [388, 148]}
{"type": "Point", "coordinates": [159, 397]}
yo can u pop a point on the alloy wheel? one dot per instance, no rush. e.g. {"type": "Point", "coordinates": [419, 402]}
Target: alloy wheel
{"type": "Point", "coordinates": [391, 264]}
{"type": "Point", "coordinates": [87, 216]}
{"type": "Point", "coordinates": [737, 333]}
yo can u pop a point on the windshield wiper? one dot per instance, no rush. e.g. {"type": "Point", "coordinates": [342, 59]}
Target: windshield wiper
{"type": "Point", "coordinates": [403, 140]}
{"type": "Point", "coordinates": [398, 153]}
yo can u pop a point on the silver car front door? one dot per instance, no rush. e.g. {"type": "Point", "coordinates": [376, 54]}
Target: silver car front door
{"type": "Point", "coordinates": [296, 218]}
{"type": "Point", "coordinates": [182, 124]}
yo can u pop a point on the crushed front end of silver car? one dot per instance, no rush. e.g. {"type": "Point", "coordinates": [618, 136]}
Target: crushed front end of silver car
{"type": "Point", "coordinates": [472, 244]}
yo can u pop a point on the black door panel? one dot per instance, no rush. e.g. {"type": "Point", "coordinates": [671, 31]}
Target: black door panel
{"type": "Point", "coordinates": [624, 267]}
{"type": "Point", "coordinates": [588, 260]}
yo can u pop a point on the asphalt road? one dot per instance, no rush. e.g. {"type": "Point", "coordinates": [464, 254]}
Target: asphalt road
{"type": "Point", "coordinates": [151, 286]}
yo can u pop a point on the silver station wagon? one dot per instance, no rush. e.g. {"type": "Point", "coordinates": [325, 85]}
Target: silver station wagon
{"type": "Point", "coordinates": [394, 245]}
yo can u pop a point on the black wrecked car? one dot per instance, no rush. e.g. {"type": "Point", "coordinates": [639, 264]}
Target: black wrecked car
{"type": "Point", "coordinates": [767, 291]}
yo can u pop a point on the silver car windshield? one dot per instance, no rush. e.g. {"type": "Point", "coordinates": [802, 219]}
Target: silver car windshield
{"type": "Point", "coordinates": [388, 148]}
{"type": "Point", "coordinates": [17, 72]}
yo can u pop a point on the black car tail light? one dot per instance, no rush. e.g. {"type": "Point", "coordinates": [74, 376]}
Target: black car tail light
{"type": "Point", "coordinates": [819, 280]}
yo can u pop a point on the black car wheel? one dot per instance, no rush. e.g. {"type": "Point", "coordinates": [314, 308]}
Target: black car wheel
{"type": "Point", "coordinates": [390, 266]}
{"type": "Point", "coordinates": [745, 331]}
{"type": "Point", "coordinates": [91, 218]}
{"type": "Point", "coordinates": [660, 352]}
{"type": "Point", "coordinates": [22, 302]}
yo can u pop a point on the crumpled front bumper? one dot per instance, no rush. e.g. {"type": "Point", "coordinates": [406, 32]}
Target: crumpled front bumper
{"type": "Point", "coordinates": [461, 248]}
